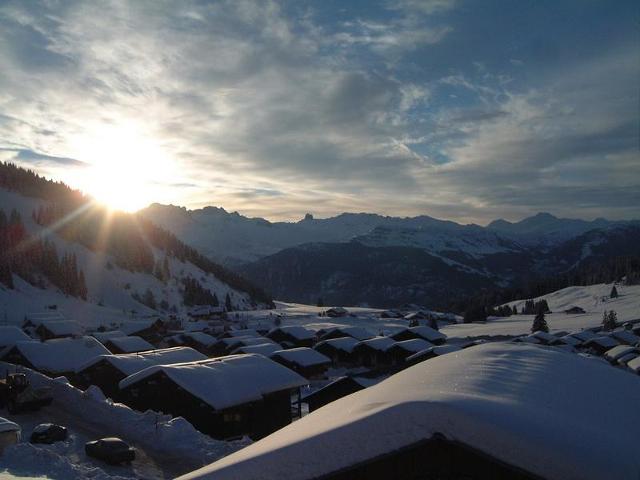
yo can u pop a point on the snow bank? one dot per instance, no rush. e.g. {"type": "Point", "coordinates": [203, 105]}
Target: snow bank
{"type": "Point", "coordinates": [537, 408]}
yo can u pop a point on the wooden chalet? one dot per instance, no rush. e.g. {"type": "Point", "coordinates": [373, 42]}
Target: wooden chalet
{"type": "Point", "coordinates": [225, 346]}
{"type": "Point", "coordinates": [50, 329]}
{"type": "Point", "coordinates": [293, 336]}
{"type": "Point", "coordinates": [265, 349]}
{"type": "Point", "coordinates": [429, 334]}
{"type": "Point", "coordinates": [304, 361]}
{"type": "Point", "coordinates": [152, 330]}
{"type": "Point", "coordinates": [626, 337]}
{"type": "Point", "coordinates": [339, 350]}
{"type": "Point", "coordinates": [223, 397]}
{"type": "Point", "coordinates": [599, 345]}
{"type": "Point", "coordinates": [373, 352]}
{"type": "Point", "coordinates": [106, 371]}
{"type": "Point", "coordinates": [57, 357]}
{"type": "Point", "coordinates": [339, 388]}
{"type": "Point", "coordinates": [400, 351]}
{"type": "Point", "coordinates": [199, 341]}
{"type": "Point", "coordinates": [431, 352]}
{"type": "Point", "coordinates": [358, 333]}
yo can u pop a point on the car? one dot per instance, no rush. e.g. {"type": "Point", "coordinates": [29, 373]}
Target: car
{"type": "Point", "coordinates": [48, 433]}
{"type": "Point", "coordinates": [112, 450]}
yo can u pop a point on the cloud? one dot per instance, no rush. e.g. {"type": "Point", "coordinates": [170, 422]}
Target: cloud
{"type": "Point", "coordinates": [31, 157]}
{"type": "Point", "coordinates": [405, 107]}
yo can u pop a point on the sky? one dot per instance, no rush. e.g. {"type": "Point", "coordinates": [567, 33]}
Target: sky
{"type": "Point", "coordinates": [460, 109]}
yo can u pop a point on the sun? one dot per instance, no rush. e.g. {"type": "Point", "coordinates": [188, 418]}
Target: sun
{"type": "Point", "coordinates": [127, 168]}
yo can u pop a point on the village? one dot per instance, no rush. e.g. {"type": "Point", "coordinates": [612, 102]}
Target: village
{"type": "Point", "coordinates": [234, 376]}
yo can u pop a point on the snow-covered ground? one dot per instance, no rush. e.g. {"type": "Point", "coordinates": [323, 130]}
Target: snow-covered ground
{"type": "Point", "coordinates": [165, 447]}
{"type": "Point", "coordinates": [594, 299]}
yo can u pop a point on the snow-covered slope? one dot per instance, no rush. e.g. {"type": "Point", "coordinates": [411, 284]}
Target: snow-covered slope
{"type": "Point", "coordinates": [531, 407]}
{"type": "Point", "coordinates": [110, 288]}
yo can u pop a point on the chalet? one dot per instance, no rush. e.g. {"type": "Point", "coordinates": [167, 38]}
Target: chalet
{"type": "Point", "coordinates": [574, 310]}
{"type": "Point", "coordinates": [224, 346]}
{"type": "Point", "coordinates": [571, 340]}
{"type": "Point", "coordinates": [373, 352]}
{"type": "Point", "coordinates": [57, 357]}
{"type": "Point", "coordinates": [336, 312]}
{"type": "Point", "coordinates": [304, 361]}
{"type": "Point", "coordinates": [616, 353]}
{"type": "Point", "coordinates": [133, 344]}
{"type": "Point", "coordinates": [339, 350]}
{"type": "Point", "coordinates": [106, 371]}
{"type": "Point", "coordinates": [10, 335]}
{"type": "Point", "coordinates": [429, 334]}
{"type": "Point", "coordinates": [265, 349]}
{"type": "Point", "coordinates": [391, 314]}
{"type": "Point", "coordinates": [626, 337]}
{"type": "Point", "coordinates": [103, 337]}
{"type": "Point", "coordinates": [399, 351]}
{"type": "Point", "coordinates": [292, 335]}
{"type": "Point", "coordinates": [584, 335]}
{"type": "Point", "coordinates": [246, 332]}
{"type": "Point", "coordinates": [199, 341]}
{"type": "Point", "coordinates": [459, 417]}
{"type": "Point", "coordinates": [358, 333]}
{"type": "Point", "coordinates": [34, 319]}
{"type": "Point", "coordinates": [599, 345]}
{"type": "Point", "coordinates": [339, 388]}
{"type": "Point", "coordinates": [625, 359]}
{"type": "Point", "coordinates": [50, 329]}
{"type": "Point", "coordinates": [152, 330]}
{"type": "Point", "coordinates": [431, 352]}
{"type": "Point", "coordinates": [223, 397]}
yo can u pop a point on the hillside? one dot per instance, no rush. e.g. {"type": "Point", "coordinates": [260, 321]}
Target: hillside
{"type": "Point", "coordinates": [126, 264]}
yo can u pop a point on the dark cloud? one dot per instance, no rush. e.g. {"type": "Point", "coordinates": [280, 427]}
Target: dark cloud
{"type": "Point", "coordinates": [29, 156]}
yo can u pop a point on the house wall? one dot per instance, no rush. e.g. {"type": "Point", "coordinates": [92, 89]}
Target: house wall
{"type": "Point", "coordinates": [104, 375]}
{"type": "Point", "coordinates": [433, 459]}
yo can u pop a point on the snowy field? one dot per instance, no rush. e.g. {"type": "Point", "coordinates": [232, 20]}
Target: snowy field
{"type": "Point", "coordinates": [593, 299]}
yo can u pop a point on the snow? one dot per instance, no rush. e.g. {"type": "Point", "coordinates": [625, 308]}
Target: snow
{"type": "Point", "coordinates": [618, 352]}
{"type": "Point", "coordinates": [300, 333]}
{"type": "Point", "coordinates": [626, 336]}
{"type": "Point", "coordinates": [428, 333]}
{"type": "Point", "coordinates": [437, 351]}
{"type": "Point", "coordinates": [60, 355]}
{"type": "Point", "coordinates": [378, 343]}
{"type": "Point", "coordinates": [61, 327]}
{"type": "Point", "coordinates": [414, 345]}
{"type": "Point", "coordinates": [533, 407]}
{"type": "Point", "coordinates": [131, 344]}
{"type": "Point", "coordinates": [9, 335]}
{"type": "Point", "coordinates": [166, 447]}
{"type": "Point", "coordinates": [358, 333]}
{"type": "Point", "coordinates": [605, 342]}
{"type": "Point", "coordinates": [265, 349]}
{"type": "Point", "coordinates": [105, 336]}
{"type": "Point", "coordinates": [305, 357]}
{"type": "Point", "coordinates": [8, 426]}
{"type": "Point", "coordinates": [132, 327]}
{"type": "Point", "coordinates": [226, 381]}
{"type": "Point", "coordinates": [634, 364]}
{"type": "Point", "coordinates": [201, 338]}
{"type": "Point", "coordinates": [346, 344]}
{"type": "Point", "coordinates": [130, 363]}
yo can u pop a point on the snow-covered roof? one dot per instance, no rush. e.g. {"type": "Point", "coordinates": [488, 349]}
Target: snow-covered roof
{"type": "Point", "coordinates": [297, 332]}
{"type": "Point", "coordinates": [265, 349]}
{"type": "Point", "coordinates": [544, 336]}
{"type": "Point", "coordinates": [571, 340]}
{"type": "Point", "coordinates": [245, 341]}
{"type": "Point", "coordinates": [131, 344]}
{"type": "Point", "coordinates": [135, 326]}
{"type": "Point", "coordinates": [616, 352]}
{"type": "Point", "coordinates": [436, 351]}
{"type": "Point", "coordinates": [345, 344]}
{"type": "Point", "coordinates": [532, 407]}
{"type": "Point", "coordinates": [414, 345]}
{"type": "Point", "coordinates": [378, 343]}
{"type": "Point", "coordinates": [624, 359]}
{"type": "Point", "coordinates": [634, 364]}
{"type": "Point", "coordinates": [37, 317]}
{"type": "Point", "coordinates": [61, 327]}
{"type": "Point", "coordinates": [604, 341]}
{"type": "Point", "coordinates": [247, 332]}
{"type": "Point", "coordinates": [303, 356]}
{"type": "Point", "coordinates": [200, 337]}
{"type": "Point", "coordinates": [358, 333]}
{"type": "Point", "coordinates": [626, 336]}
{"type": "Point", "coordinates": [10, 334]}
{"type": "Point", "coordinates": [226, 381]}
{"type": "Point", "coordinates": [130, 363]}
{"type": "Point", "coordinates": [428, 333]}
{"type": "Point", "coordinates": [8, 426]}
{"type": "Point", "coordinates": [584, 335]}
{"type": "Point", "coordinates": [61, 354]}
{"type": "Point", "coordinates": [104, 336]}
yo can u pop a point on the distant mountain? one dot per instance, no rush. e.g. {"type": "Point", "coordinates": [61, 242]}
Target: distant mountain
{"type": "Point", "coordinates": [57, 247]}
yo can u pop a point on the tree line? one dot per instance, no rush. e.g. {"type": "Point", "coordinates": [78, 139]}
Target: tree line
{"type": "Point", "coordinates": [28, 257]}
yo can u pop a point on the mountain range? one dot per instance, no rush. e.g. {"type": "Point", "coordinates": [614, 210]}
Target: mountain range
{"type": "Point", "coordinates": [369, 259]}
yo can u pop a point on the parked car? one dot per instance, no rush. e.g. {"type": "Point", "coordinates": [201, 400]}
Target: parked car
{"type": "Point", "coordinates": [48, 433]}
{"type": "Point", "coordinates": [111, 450]}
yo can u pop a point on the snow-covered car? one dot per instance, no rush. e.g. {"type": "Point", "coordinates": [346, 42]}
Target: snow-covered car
{"type": "Point", "coordinates": [48, 433]}
{"type": "Point", "coordinates": [112, 450]}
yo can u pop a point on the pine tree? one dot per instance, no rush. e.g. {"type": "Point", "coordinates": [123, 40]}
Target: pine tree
{"type": "Point", "coordinates": [614, 292]}
{"type": "Point", "coordinates": [227, 303]}
{"type": "Point", "coordinates": [515, 310]}
{"type": "Point", "coordinates": [609, 320]}
{"type": "Point", "coordinates": [539, 323]}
